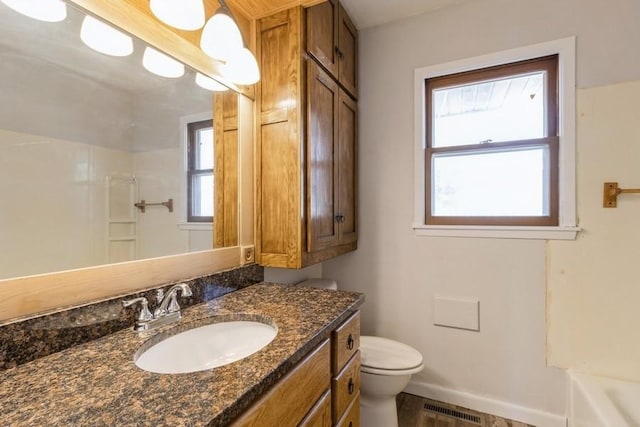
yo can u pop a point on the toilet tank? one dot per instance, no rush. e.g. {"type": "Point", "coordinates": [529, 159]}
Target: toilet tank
{"type": "Point", "coordinates": [320, 283]}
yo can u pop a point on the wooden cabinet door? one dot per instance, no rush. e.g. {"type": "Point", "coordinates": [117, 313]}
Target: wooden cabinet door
{"type": "Point", "coordinates": [291, 398]}
{"type": "Point", "coordinates": [279, 155]}
{"type": "Point", "coordinates": [348, 53]}
{"type": "Point", "coordinates": [225, 170]}
{"type": "Point", "coordinates": [322, 34]}
{"type": "Point", "coordinates": [322, 159]}
{"type": "Point", "coordinates": [348, 168]}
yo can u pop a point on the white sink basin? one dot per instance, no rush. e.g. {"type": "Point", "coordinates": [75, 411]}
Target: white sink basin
{"type": "Point", "coordinates": [206, 347]}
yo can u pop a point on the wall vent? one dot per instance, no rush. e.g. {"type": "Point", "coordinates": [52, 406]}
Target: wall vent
{"type": "Point", "coordinates": [453, 413]}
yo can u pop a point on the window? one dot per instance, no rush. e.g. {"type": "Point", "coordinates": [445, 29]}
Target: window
{"type": "Point", "coordinates": [495, 145]}
{"type": "Point", "coordinates": [200, 171]}
{"type": "Point", "coordinates": [492, 145]}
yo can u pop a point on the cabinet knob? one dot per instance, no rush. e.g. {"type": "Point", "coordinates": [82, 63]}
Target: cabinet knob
{"type": "Point", "coordinates": [340, 218]}
{"type": "Point", "coordinates": [350, 342]}
{"type": "Point", "coordinates": [351, 386]}
{"type": "Point", "coordinates": [339, 53]}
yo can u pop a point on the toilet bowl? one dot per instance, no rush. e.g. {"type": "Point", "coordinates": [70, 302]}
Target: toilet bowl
{"type": "Point", "coordinates": [386, 367]}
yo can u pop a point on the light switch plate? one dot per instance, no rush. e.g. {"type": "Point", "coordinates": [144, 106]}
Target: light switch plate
{"type": "Point", "coordinates": [460, 313]}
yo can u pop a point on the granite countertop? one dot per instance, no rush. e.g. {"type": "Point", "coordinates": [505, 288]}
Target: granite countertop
{"type": "Point", "coordinates": [98, 384]}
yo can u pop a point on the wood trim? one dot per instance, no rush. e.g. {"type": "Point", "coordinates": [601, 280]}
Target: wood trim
{"type": "Point", "coordinates": [257, 9]}
{"type": "Point", "coordinates": [29, 296]}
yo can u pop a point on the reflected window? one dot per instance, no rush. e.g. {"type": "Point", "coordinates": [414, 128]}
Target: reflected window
{"type": "Point", "coordinates": [492, 145]}
{"type": "Point", "coordinates": [200, 171]}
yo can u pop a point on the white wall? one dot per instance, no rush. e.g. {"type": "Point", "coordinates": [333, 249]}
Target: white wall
{"type": "Point", "coordinates": [61, 133]}
{"type": "Point", "coordinates": [159, 156]}
{"type": "Point", "coordinates": [593, 286]}
{"type": "Point", "coordinates": [53, 202]}
{"type": "Point", "coordinates": [38, 98]}
{"type": "Point", "coordinates": [400, 273]}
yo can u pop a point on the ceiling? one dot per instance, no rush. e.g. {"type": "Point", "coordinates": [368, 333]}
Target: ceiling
{"type": "Point", "coordinates": [369, 13]}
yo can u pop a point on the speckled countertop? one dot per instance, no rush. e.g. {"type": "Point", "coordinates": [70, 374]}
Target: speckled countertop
{"type": "Point", "coordinates": [98, 384]}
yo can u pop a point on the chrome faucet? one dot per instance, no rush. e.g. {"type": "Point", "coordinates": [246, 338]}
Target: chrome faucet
{"type": "Point", "coordinates": [168, 310]}
{"type": "Point", "coordinates": [169, 301]}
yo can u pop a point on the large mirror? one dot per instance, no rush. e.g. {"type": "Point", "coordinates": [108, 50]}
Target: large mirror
{"type": "Point", "coordinates": [101, 161]}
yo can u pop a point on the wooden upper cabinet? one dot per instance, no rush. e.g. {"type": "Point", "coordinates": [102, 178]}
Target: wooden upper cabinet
{"type": "Point", "coordinates": [331, 162]}
{"type": "Point", "coordinates": [347, 169]}
{"type": "Point", "coordinates": [305, 147]}
{"type": "Point", "coordinates": [322, 35]}
{"type": "Point", "coordinates": [322, 159]}
{"type": "Point", "coordinates": [332, 40]}
{"type": "Point", "coordinates": [348, 52]}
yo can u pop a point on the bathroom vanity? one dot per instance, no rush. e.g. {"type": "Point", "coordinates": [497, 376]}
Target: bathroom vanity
{"type": "Point", "coordinates": [308, 375]}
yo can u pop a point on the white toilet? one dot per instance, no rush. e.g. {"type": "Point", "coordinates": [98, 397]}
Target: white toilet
{"type": "Point", "coordinates": [386, 367]}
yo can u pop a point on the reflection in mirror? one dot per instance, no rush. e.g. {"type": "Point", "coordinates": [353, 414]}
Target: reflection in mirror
{"type": "Point", "coordinates": [94, 159]}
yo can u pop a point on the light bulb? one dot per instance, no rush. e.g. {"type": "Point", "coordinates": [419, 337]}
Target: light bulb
{"type": "Point", "coordinates": [241, 67]}
{"type": "Point", "coordinates": [161, 64]}
{"type": "Point", "coordinates": [182, 14]}
{"type": "Point", "coordinates": [209, 84]}
{"type": "Point", "coordinates": [104, 38]}
{"type": "Point", "coordinates": [220, 36]}
{"type": "Point", "coordinates": [42, 10]}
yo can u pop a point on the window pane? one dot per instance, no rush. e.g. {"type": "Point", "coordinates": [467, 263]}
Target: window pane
{"type": "Point", "coordinates": [495, 183]}
{"type": "Point", "coordinates": [204, 148]}
{"type": "Point", "coordinates": [508, 109]}
{"type": "Point", "coordinates": [202, 197]}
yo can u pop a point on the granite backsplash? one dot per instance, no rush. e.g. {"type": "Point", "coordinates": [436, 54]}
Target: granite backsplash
{"type": "Point", "coordinates": [27, 340]}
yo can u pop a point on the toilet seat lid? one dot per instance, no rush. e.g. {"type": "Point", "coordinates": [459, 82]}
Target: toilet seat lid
{"type": "Point", "coordinates": [383, 353]}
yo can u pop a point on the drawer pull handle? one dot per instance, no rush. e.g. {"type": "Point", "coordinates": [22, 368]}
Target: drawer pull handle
{"type": "Point", "coordinates": [350, 342]}
{"type": "Point", "coordinates": [351, 386]}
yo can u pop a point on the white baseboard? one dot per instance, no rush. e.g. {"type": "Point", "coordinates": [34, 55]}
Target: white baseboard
{"type": "Point", "coordinates": [486, 405]}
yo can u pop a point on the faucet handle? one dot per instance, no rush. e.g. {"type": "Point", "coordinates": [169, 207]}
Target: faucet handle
{"type": "Point", "coordinates": [144, 315]}
{"type": "Point", "coordinates": [173, 301]}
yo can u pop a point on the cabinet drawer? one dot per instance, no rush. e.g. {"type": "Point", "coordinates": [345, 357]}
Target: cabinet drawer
{"type": "Point", "coordinates": [320, 414]}
{"type": "Point", "coordinates": [351, 418]}
{"type": "Point", "coordinates": [300, 389]}
{"type": "Point", "coordinates": [345, 341]}
{"type": "Point", "coordinates": [345, 387]}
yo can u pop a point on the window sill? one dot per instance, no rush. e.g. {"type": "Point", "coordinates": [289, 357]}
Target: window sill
{"type": "Point", "coordinates": [195, 226]}
{"type": "Point", "coordinates": [497, 232]}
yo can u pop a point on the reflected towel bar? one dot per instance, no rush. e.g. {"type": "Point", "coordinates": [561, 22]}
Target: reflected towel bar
{"type": "Point", "coordinates": [142, 205]}
{"type": "Point", "coordinates": [610, 194]}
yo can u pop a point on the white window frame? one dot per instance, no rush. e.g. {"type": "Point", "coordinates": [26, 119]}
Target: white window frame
{"type": "Point", "coordinates": [567, 227]}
